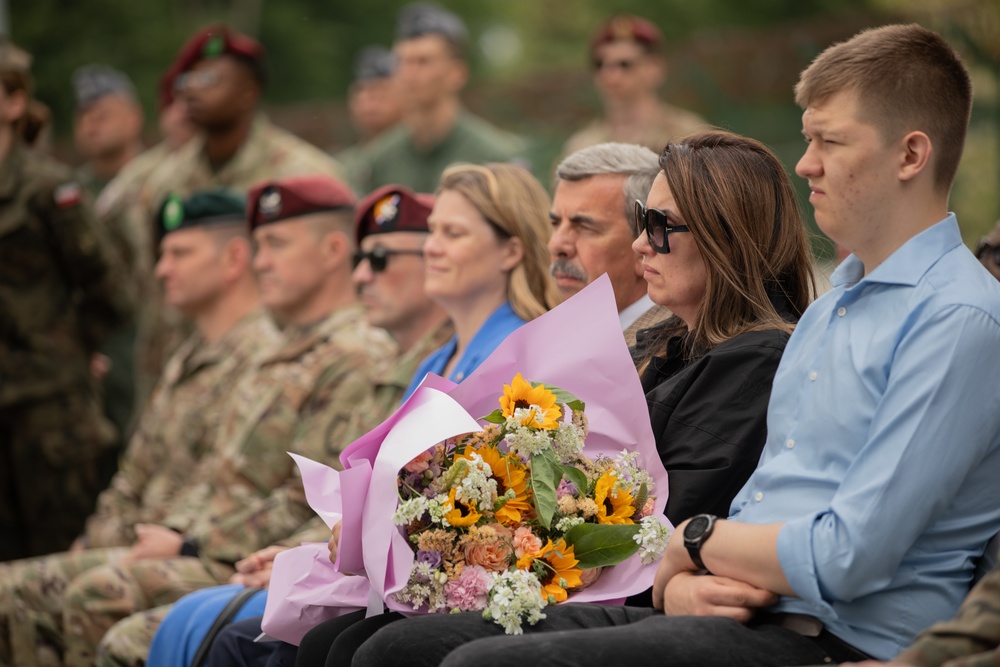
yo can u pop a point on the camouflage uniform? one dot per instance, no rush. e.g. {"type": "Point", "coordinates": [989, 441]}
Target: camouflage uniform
{"type": "Point", "coordinates": [173, 435]}
{"type": "Point", "coordinates": [62, 292]}
{"type": "Point", "coordinates": [300, 398]}
{"type": "Point", "coordinates": [268, 153]}
{"type": "Point", "coordinates": [971, 639]}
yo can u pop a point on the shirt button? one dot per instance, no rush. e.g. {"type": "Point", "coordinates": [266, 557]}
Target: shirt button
{"type": "Point", "coordinates": [813, 375]}
{"type": "Point", "coordinates": [790, 443]}
{"type": "Point", "coordinates": [759, 496]}
{"type": "Point", "coordinates": [459, 376]}
{"type": "Point", "coordinates": [841, 311]}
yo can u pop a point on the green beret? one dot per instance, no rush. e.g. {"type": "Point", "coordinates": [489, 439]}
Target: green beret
{"type": "Point", "coordinates": [202, 209]}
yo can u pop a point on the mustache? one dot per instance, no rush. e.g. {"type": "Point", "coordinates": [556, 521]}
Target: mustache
{"type": "Point", "coordinates": [564, 267]}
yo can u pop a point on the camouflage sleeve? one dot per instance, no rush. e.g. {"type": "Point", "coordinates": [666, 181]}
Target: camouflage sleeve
{"type": "Point", "coordinates": [313, 530]}
{"type": "Point", "coordinates": [103, 297]}
{"type": "Point", "coordinates": [975, 630]}
{"type": "Point", "coordinates": [119, 507]}
{"type": "Point", "coordinates": [323, 425]}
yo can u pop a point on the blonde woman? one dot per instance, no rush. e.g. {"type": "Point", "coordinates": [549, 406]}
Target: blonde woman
{"type": "Point", "coordinates": [485, 261]}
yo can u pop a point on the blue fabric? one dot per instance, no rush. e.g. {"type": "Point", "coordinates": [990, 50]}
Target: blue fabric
{"type": "Point", "coordinates": [495, 329]}
{"type": "Point", "coordinates": [182, 631]}
{"type": "Point", "coordinates": [883, 453]}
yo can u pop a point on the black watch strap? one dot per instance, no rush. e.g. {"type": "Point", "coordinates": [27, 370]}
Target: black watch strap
{"type": "Point", "coordinates": [189, 547]}
{"type": "Point", "coordinates": [698, 529]}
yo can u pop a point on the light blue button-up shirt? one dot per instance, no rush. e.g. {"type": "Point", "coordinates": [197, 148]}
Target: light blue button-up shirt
{"type": "Point", "coordinates": [495, 329]}
{"type": "Point", "coordinates": [883, 451]}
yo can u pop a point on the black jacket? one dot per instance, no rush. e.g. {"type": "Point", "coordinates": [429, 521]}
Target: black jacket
{"type": "Point", "coordinates": [709, 418]}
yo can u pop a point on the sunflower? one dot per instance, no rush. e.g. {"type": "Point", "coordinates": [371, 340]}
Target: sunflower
{"type": "Point", "coordinates": [540, 403]}
{"type": "Point", "coordinates": [509, 473]}
{"type": "Point", "coordinates": [613, 505]}
{"type": "Point", "coordinates": [559, 567]}
{"type": "Point", "coordinates": [456, 517]}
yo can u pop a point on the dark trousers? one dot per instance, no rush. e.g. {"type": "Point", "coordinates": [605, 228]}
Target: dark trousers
{"type": "Point", "coordinates": [334, 642]}
{"type": "Point", "coordinates": [235, 645]}
{"type": "Point", "coordinates": [600, 635]}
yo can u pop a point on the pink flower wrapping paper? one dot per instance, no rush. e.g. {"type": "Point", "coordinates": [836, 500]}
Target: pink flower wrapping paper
{"type": "Point", "coordinates": [577, 346]}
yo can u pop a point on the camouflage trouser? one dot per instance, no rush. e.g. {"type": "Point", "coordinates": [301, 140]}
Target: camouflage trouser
{"type": "Point", "coordinates": [127, 643]}
{"type": "Point", "coordinates": [53, 455]}
{"type": "Point", "coordinates": [103, 596]}
{"type": "Point", "coordinates": [31, 604]}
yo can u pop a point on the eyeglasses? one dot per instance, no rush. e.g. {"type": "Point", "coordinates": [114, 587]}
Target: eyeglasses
{"type": "Point", "coordinates": [655, 223]}
{"type": "Point", "coordinates": [986, 249]}
{"type": "Point", "coordinates": [378, 258]}
{"type": "Point", "coordinates": [622, 64]}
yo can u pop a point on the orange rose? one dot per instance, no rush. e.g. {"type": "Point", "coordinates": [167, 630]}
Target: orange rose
{"type": "Point", "coordinates": [493, 556]}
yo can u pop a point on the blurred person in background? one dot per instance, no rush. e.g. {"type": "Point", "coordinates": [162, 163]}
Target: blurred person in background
{"type": "Point", "coordinates": [436, 131]}
{"type": "Point", "coordinates": [626, 53]}
{"type": "Point", "coordinates": [988, 251]}
{"type": "Point", "coordinates": [62, 293]}
{"type": "Point", "coordinates": [373, 101]}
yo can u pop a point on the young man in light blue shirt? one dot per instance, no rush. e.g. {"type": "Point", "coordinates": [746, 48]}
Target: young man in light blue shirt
{"type": "Point", "coordinates": [878, 487]}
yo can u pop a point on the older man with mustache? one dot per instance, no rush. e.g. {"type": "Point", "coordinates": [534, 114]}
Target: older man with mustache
{"type": "Point", "coordinates": [591, 215]}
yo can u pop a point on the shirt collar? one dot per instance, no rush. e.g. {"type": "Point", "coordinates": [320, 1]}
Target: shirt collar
{"type": "Point", "coordinates": [631, 313]}
{"type": "Point", "coordinates": [908, 264]}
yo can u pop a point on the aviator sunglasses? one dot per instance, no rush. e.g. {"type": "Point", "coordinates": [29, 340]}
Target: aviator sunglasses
{"type": "Point", "coordinates": [378, 258]}
{"type": "Point", "coordinates": [657, 226]}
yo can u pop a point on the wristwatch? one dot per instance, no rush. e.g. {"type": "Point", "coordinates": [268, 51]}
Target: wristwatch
{"type": "Point", "coordinates": [695, 533]}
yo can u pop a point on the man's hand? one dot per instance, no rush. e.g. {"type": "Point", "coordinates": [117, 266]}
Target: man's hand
{"type": "Point", "coordinates": [334, 542]}
{"type": "Point", "coordinates": [153, 541]}
{"type": "Point", "coordinates": [255, 570]}
{"type": "Point", "coordinates": [689, 594]}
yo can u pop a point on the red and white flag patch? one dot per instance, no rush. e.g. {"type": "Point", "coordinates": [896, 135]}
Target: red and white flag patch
{"type": "Point", "coordinates": [68, 194]}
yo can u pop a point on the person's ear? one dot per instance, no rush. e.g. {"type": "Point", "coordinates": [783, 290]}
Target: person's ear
{"type": "Point", "coordinates": [513, 253]}
{"type": "Point", "coordinates": [915, 154]}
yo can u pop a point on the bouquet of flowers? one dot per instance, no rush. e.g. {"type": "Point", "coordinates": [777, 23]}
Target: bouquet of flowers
{"type": "Point", "coordinates": [515, 517]}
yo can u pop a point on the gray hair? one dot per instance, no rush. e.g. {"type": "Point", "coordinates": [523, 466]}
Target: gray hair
{"type": "Point", "coordinates": [640, 164]}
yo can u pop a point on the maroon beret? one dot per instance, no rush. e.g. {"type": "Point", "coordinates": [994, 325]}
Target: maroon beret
{"type": "Point", "coordinates": [274, 201]}
{"type": "Point", "coordinates": [215, 41]}
{"type": "Point", "coordinates": [627, 28]}
{"type": "Point", "coordinates": [392, 208]}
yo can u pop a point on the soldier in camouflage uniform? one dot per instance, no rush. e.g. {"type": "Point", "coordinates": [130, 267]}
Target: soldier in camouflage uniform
{"type": "Point", "coordinates": [391, 229]}
{"type": "Point", "coordinates": [301, 397]}
{"type": "Point", "coordinates": [219, 77]}
{"type": "Point", "coordinates": [206, 271]}
{"type": "Point", "coordinates": [61, 294]}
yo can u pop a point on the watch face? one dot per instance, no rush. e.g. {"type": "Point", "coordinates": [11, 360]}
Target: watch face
{"type": "Point", "coordinates": [696, 527]}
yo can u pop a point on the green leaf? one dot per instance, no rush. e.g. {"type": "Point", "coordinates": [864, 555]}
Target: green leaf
{"type": "Point", "coordinates": [563, 396]}
{"type": "Point", "coordinates": [545, 476]}
{"type": "Point", "coordinates": [601, 545]}
{"type": "Point", "coordinates": [576, 476]}
{"type": "Point", "coordinates": [495, 417]}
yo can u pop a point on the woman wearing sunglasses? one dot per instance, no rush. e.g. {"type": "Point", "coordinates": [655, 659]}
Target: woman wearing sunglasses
{"type": "Point", "coordinates": [485, 262]}
{"type": "Point", "coordinates": [723, 247]}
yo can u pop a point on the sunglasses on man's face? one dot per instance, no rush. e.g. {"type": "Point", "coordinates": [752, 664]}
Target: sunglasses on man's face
{"type": "Point", "coordinates": [986, 249]}
{"type": "Point", "coordinates": [623, 64]}
{"type": "Point", "coordinates": [378, 258]}
{"type": "Point", "coordinates": [657, 226]}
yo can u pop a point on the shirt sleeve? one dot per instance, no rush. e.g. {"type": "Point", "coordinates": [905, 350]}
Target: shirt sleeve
{"type": "Point", "coordinates": [935, 421]}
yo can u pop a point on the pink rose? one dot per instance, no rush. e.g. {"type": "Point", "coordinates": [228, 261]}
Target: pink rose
{"type": "Point", "coordinates": [419, 464]}
{"type": "Point", "coordinates": [526, 542]}
{"type": "Point", "coordinates": [647, 509]}
{"type": "Point", "coordinates": [469, 592]}
{"type": "Point", "coordinates": [493, 555]}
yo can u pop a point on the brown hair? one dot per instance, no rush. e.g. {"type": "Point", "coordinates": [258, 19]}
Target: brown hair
{"type": "Point", "coordinates": [515, 205]}
{"type": "Point", "coordinates": [906, 78]}
{"type": "Point", "coordinates": [737, 200]}
{"type": "Point", "coordinates": [36, 115]}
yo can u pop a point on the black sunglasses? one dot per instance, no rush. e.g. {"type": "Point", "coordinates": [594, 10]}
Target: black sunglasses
{"type": "Point", "coordinates": [623, 64]}
{"type": "Point", "coordinates": [986, 249]}
{"type": "Point", "coordinates": [378, 258]}
{"type": "Point", "coordinates": [656, 224]}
